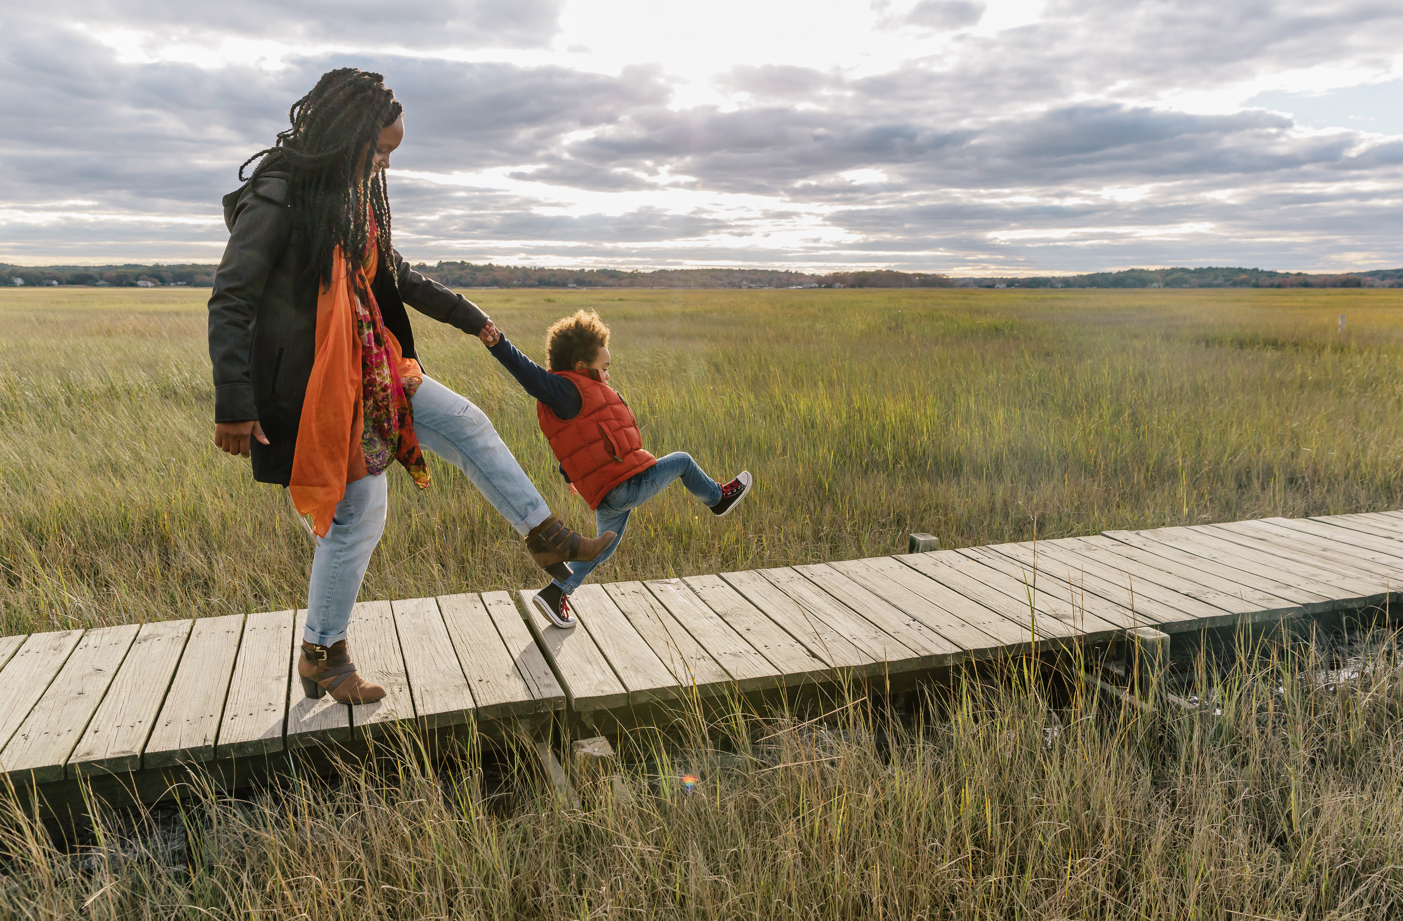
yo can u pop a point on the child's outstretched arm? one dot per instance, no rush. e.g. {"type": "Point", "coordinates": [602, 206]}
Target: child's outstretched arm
{"type": "Point", "coordinates": [558, 394]}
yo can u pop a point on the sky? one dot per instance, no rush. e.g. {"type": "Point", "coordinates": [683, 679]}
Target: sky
{"type": "Point", "coordinates": [970, 137]}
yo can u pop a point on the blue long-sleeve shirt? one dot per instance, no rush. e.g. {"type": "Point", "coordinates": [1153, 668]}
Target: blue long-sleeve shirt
{"type": "Point", "coordinates": [558, 394]}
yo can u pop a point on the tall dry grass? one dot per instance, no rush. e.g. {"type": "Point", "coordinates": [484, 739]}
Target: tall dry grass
{"type": "Point", "coordinates": [975, 415]}
{"type": "Point", "coordinates": [1004, 804]}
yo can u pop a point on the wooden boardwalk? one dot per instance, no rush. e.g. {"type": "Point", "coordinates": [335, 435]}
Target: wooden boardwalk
{"type": "Point", "coordinates": [135, 707]}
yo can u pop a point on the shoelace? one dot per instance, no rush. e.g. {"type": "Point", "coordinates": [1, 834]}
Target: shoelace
{"type": "Point", "coordinates": [565, 612]}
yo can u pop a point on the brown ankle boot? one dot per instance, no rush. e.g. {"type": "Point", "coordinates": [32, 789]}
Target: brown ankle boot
{"type": "Point", "coordinates": [550, 544]}
{"type": "Point", "coordinates": [329, 668]}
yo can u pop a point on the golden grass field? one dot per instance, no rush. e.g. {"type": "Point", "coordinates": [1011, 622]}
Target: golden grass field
{"type": "Point", "coordinates": [981, 416]}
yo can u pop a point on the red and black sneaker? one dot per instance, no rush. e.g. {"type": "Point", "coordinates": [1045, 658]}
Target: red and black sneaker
{"type": "Point", "coordinates": [555, 604]}
{"type": "Point", "coordinates": [732, 493]}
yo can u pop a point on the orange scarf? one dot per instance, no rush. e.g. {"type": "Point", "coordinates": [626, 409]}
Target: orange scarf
{"type": "Point", "coordinates": [329, 451]}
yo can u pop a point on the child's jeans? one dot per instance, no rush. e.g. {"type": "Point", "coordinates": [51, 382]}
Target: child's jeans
{"type": "Point", "coordinates": [613, 512]}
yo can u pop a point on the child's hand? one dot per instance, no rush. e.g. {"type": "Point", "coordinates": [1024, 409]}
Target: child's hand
{"type": "Point", "coordinates": [489, 335]}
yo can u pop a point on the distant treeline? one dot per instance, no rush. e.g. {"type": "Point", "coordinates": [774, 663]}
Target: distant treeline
{"type": "Point", "coordinates": [1207, 277]}
{"type": "Point", "coordinates": [195, 275]}
{"type": "Point", "coordinates": [472, 275]}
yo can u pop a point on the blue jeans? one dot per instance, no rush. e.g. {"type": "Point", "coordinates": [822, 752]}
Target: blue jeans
{"type": "Point", "coordinates": [619, 502]}
{"type": "Point", "coordinates": [460, 433]}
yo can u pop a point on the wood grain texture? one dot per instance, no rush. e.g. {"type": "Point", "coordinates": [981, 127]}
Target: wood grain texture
{"type": "Point", "coordinates": [189, 720]}
{"type": "Point", "coordinates": [966, 623]}
{"type": "Point", "coordinates": [991, 590]}
{"type": "Point", "coordinates": [255, 709]}
{"type": "Point", "coordinates": [584, 673]}
{"type": "Point", "coordinates": [637, 665]}
{"type": "Point", "coordinates": [39, 749]}
{"type": "Point", "coordinates": [375, 648]}
{"type": "Point", "coordinates": [824, 641]}
{"type": "Point", "coordinates": [793, 662]}
{"type": "Point", "coordinates": [688, 662]}
{"type": "Point", "coordinates": [547, 695]}
{"type": "Point", "coordinates": [1202, 578]}
{"type": "Point", "coordinates": [747, 668]}
{"type": "Point", "coordinates": [883, 648]}
{"type": "Point", "coordinates": [436, 682]}
{"type": "Point", "coordinates": [1285, 565]}
{"type": "Point", "coordinates": [1093, 615]}
{"type": "Point", "coordinates": [118, 731]}
{"type": "Point", "coordinates": [27, 676]}
{"type": "Point", "coordinates": [914, 634]}
{"type": "Point", "coordinates": [1327, 562]}
{"type": "Point", "coordinates": [1150, 603]}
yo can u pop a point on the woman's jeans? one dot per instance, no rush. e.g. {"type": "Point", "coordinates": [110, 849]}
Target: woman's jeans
{"type": "Point", "coordinates": [619, 502]}
{"type": "Point", "coordinates": [460, 433]}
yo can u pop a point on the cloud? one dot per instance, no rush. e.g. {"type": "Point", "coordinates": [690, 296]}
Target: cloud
{"type": "Point", "coordinates": [1096, 133]}
{"type": "Point", "coordinates": [404, 24]}
{"type": "Point", "coordinates": [934, 15]}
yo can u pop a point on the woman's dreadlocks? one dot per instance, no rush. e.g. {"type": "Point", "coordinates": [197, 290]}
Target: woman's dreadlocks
{"type": "Point", "coordinates": [332, 126]}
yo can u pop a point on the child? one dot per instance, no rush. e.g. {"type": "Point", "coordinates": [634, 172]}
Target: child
{"type": "Point", "coordinates": [595, 438]}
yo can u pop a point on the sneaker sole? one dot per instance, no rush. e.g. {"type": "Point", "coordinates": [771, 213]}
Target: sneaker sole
{"type": "Point", "coordinates": [743, 493]}
{"type": "Point", "coordinates": [550, 615]}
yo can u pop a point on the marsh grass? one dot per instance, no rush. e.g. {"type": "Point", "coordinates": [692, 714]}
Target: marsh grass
{"type": "Point", "coordinates": [999, 802]}
{"type": "Point", "coordinates": [979, 416]}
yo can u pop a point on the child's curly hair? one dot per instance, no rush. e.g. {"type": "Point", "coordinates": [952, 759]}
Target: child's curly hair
{"type": "Point", "coordinates": [575, 338]}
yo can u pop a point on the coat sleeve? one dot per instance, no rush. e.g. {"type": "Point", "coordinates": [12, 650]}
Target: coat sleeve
{"type": "Point", "coordinates": [433, 299]}
{"type": "Point", "coordinates": [257, 239]}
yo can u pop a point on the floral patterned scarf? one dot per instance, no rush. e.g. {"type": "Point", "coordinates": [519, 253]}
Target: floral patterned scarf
{"type": "Point", "coordinates": [357, 416]}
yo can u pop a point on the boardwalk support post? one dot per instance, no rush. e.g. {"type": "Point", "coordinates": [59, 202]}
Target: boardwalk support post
{"type": "Point", "coordinates": [556, 774]}
{"type": "Point", "coordinates": [922, 543]}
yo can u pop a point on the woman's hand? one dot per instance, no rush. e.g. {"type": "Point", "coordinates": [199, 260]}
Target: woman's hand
{"type": "Point", "coordinates": [234, 437]}
{"type": "Point", "coordinates": [489, 335]}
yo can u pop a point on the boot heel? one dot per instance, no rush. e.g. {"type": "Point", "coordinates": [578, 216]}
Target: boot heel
{"type": "Point", "coordinates": [559, 571]}
{"type": "Point", "coordinates": [312, 689]}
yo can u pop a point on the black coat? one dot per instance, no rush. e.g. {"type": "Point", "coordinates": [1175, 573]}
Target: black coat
{"type": "Point", "coordinates": [263, 319]}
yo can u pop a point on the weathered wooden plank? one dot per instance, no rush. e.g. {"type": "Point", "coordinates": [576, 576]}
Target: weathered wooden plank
{"type": "Point", "coordinates": [794, 662]}
{"type": "Point", "coordinates": [311, 721]}
{"type": "Point", "coordinates": [27, 675]}
{"type": "Point", "coordinates": [498, 688]}
{"type": "Point", "coordinates": [1147, 568]}
{"type": "Point", "coordinates": [1152, 603]}
{"type": "Point", "coordinates": [436, 681]}
{"type": "Point", "coordinates": [1216, 582]}
{"type": "Point", "coordinates": [1276, 557]}
{"type": "Point", "coordinates": [891, 620]}
{"type": "Point", "coordinates": [893, 654]}
{"type": "Point", "coordinates": [1372, 568]}
{"type": "Point", "coordinates": [584, 673]}
{"type": "Point", "coordinates": [40, 747]}
{"type": "Point", "coordinates": [1387, 550]}
{"type": "Point", "coordinates": [189, 720]}
{"type": "Point", "coordinates": [1091, 617]}
{"type": "Point", "coordinates": [254, 711]}
{"type": "Point", "coordinates": [1063, 599]}
{"type": "Point", "coordinates": [9, 645]}
{"type": "Point", "coordinates": [118, 730]}
{"type": "Point", "coordinates": [991, 590]}
{"type": "Point", "coordinates": [968, 625]}
{"type": "Point", "coordinates": [747, 667]}
{"type": "Point", "coordinates": [546, 693]}
{"type": "Point", "coordinates": [1365, 524]}
{"type": "Point", "coordinates": [1274, 568]}
{"type": "Point", "coordinates": [689, 664]}
{"type": "Point", "coordinates": [630, 657]}
{"type": "Point", "coordinates": [375, 649]}
{"type": "Point", "coordinates": [815, 634]}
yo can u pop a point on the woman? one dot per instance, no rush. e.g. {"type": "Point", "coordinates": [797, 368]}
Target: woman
{"type": "Point", "coordinates": [315, 372]}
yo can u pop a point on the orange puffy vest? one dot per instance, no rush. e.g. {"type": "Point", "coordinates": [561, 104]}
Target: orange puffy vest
{"type": "Point", "coordinates": [601, 446]}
